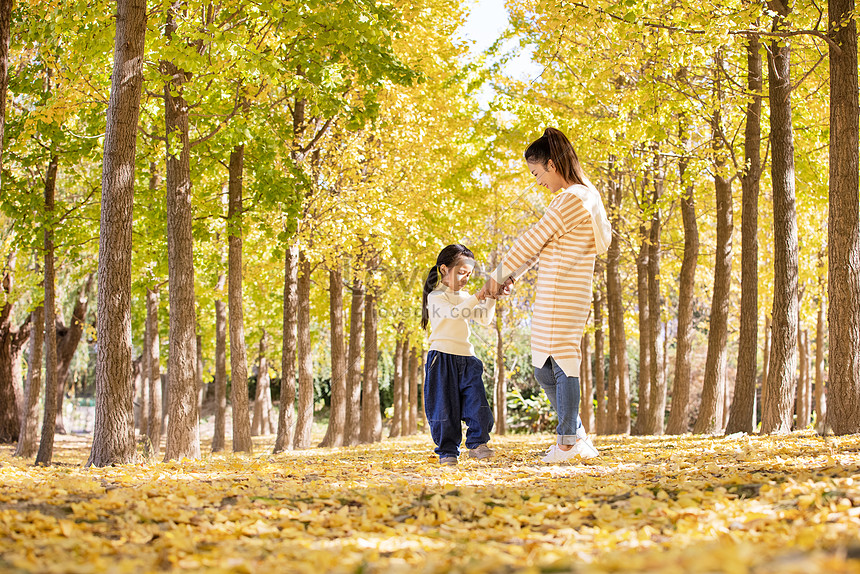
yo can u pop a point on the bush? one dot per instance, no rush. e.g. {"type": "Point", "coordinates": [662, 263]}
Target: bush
{"type": "Point", "coordinates": [529, 413]}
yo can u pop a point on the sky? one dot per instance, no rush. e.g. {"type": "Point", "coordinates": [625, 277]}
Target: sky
{"type": "Point", "coordinates": [487, 20]}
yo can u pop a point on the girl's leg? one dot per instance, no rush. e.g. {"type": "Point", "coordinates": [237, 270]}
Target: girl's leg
{"type": "Point", "coordinates": [442, 403]}
{"type": "Point", "coordinates": [567, 396]}
{"type": "Point", "coordinates": [473, 399]}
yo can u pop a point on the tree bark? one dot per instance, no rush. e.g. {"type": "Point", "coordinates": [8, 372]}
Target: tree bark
{"type": "Point", "coordinates": [262, 423]}
{"type": "Point", "coordinates": [352, 433]}
{"type": "Point", "coordinates": [500, 391]}
{"type": "Point", "coordinates": [598, 373]}
{"type": "Point", "coordinates": [337, 414]}
{"type": "Point", "coordinates": [640, 427]}
{"type": "Point", "coordinates": [68, 338]}
{"type": "Point", "coordinates": [219, 437]}
{"type": "Point", "coordinates": [153, 347]}
{"type": "Point", "coordinates": [802, 400]}
{"type": "Point", "coordinates": [12, 340]}
{"type": "Point", "coordinates": [305, 416]}
{"type": "Point", "coordinates": [776, 408]}
{"type": "Point", "coordinates": [414, 367]}
{"type": "Point", "coordinates": [397, 428]}
{"type": "Point", "coordinates": [679, 413]}
{"type": "Point", "coordinates": [843, 230]}
{"type": "Point", "coordinates": [586, 410]}
{"type": "Point", "coordinates": [371, 418]}
{"type": "Point", "coordinates": [5, 34]}
{"type": "Point", "coordinates": [238, 360]}
{"type": "Point", "coordinates": [820, 395]}
{"type": "Point", "coordinates": [711, 410]}
{"type": "Point", "coordinates": [656, 412]}
{"type": "Point", "coordinates": [710, 417]}
{"type": "Point", "coordinates": [618, 413]}
{"type": "Point", "coordinates": [27, 445]}
{"type": "Point", "coordinates": [286, 413]}
{"type": "Point", "coordinates": [183, 439]}
{"type": "Point", "coordinates": [46, 443]}
{"type": "Point", "coordinates": [742, 416]}
{"type": "Point", "coordinates": [765, 368]}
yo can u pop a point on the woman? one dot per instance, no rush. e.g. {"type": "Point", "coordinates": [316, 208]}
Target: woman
{"type": "Point", "coordinates": [572, 232]}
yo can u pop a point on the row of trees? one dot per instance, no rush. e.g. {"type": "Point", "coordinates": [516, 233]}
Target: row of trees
{"type": "Point", "coordinates": [285, 156]}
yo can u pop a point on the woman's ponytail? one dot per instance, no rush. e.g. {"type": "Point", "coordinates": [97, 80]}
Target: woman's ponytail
{"type": "Point", "coordinates": [554, 145]}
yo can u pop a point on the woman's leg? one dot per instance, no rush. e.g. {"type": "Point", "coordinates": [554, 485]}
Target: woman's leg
{"type": "Point", "coordinates": [563, 394]}
{"type": "Point", "coordinates": [473, 400]}
{"type": "Point", "coordinates": [442, 403]}
{"type": "Point", "coordinates": [567, 398]}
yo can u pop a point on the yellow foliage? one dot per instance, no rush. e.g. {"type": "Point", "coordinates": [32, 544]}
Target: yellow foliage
{"type": "Point", "coordinates": [656, 504]}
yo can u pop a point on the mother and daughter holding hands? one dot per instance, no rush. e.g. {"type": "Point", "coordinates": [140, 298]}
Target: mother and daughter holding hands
{"type": "Point", "coordinates": [565, 242]}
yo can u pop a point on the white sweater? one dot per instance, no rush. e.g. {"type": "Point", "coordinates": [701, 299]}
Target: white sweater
{"type": "Point", "coordinates": [450, 312]}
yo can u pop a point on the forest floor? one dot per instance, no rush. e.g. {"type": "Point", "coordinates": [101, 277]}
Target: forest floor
{"type": "Point", "coordinates": [647, 504]}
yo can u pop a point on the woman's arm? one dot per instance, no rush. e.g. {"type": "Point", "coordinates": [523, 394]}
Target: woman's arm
{"type": "Point", "coordinates": [527, 247]}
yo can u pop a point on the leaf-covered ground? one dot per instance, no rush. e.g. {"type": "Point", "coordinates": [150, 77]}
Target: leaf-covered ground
{"type": "Point", "coordinates": [657, 504]}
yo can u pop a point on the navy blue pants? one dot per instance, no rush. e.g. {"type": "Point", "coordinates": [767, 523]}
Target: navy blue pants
{"type": "Point", "coordinates": [454, 392]}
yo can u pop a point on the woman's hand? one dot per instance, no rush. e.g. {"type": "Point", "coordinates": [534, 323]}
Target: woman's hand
{"type": "Point", "coordinates": [490, 289]}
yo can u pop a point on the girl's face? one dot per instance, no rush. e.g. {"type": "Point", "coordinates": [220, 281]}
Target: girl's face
{"type": "Point", "coordinates": [547, 176]}
{"type": "Point", "coordinates": [458, 275]}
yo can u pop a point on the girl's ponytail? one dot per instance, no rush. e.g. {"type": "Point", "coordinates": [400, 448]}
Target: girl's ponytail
{"type": "Point", "coordinates": [429, 284]}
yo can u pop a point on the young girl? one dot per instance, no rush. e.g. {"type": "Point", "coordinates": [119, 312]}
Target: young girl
{"type": "Point", "coordinates": [453, 388]}
{"type": "Point", "coordinates": [565, 243]}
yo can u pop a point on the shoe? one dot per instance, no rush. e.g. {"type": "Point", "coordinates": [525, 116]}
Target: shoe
{"type": "Point", "coordinates": [448, 460]}
{"type": "Point", "coordinates": [581, 450]}
{"type": "Point", "coordinates": [482, 451]}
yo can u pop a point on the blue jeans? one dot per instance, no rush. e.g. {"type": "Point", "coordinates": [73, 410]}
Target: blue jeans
{"type": "Point", "coordinates": [454, 392]}
{"type": "Point", "coordinates": [563, 394]}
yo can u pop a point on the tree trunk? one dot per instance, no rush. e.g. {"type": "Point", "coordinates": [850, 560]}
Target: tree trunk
{"type": "Point", "coordinates": [640, 427]}
{"type": "Point", "coordinates": [656, 413]}
{"type": "Point", "coordinates": [5, 34]}
{"type": "Point", "coordinates": [820, 396]}
{"type": "Point", "coordinates": [414, 367]}
{"type": "Point", "coordinates": [802, 400]}
{"type": "Point", "coordinates": [238, 360]}
{"type": "Point", "coordinates": [68, 338]}
{"type": "Point", "coordinates": [153, 347]}
{"type": "Point", "coordinates": [262, 423]}
{"type": "Point", "coordinates": [586, 409]}
{"type": "Point", "coordinates": [198, 372]}
{"type": "Point", "coordinates": [219, 437]}
{"type": "Point", "coordinates": [714, 386]}
{"type": "Point", "coordinates": [765, 368]}
{"type": "Point", "coordinates": [183, 439]}
{"type": "Point", "coordinates": [337, 414]}
{"type": "Point", "coordinates": [305, 417]}
{"type": "Point", "coordinates": [679, 413]}
{"type": "Point", "coordinates": [500, 391]}
{"type": "Point", "coordinates": [598, 374]}
{"type": "Point", "coordinates": [843, 230]}
{"type": "Point", "coordinates": [397, 428]}
{"type": "Point", "coordinates": [371, 418]}
{"type": "Point", "coordinates": [710, 412]}
{"type": "Point", "coordinates": [12, 341]}
{"type": "Point", "coordinates": [743, 409]}
{"type": "Point", "coordinates": [286, 413]}
{"type": "Point", "coordinates": [46, 443]}
{"type": "Point", "coordinates": [776, 411]}
{"type": "Point", "coordinates": [143, 397]}
{"type": "Point", "coordinates": [618, 413]}
{"type": "Point", "coordinates": [27, 445]}
{"type": "Point", "coordinates": [352, 433]}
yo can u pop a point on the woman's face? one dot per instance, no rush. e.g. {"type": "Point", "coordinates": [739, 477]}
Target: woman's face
{"type": "Point", "coordinates": [546, 175]}
{"type": "Point", "coordinates": [458, 275]}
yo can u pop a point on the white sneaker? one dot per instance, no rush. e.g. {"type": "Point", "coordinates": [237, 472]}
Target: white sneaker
{"type": "Point", "coordinates": [581, 450]}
